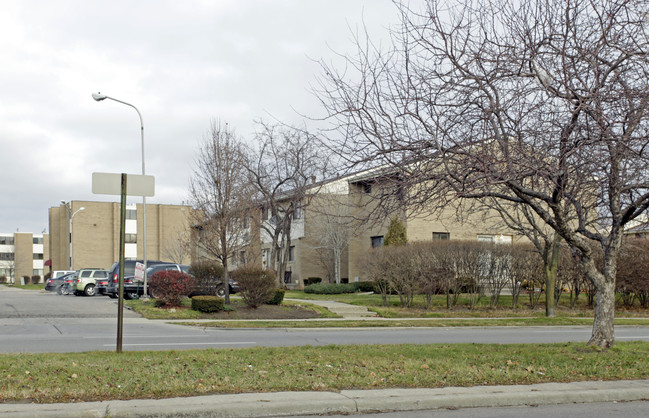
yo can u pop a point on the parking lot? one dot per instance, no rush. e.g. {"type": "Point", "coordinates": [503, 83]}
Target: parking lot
{"type": "Point", "coordinates": [16, 303]}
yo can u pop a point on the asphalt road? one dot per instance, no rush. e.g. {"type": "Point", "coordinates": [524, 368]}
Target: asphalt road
{"type": "Point", "coordinates": [32, 321]}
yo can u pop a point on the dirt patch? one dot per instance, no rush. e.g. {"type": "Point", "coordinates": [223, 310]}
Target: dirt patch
{"type": "Point", "coordinates": [241, 311]}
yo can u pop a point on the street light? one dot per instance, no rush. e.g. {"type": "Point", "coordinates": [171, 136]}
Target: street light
{"type": "Point", "coordinates": [71, 215]}
{"type": "Point", "coordinates": [99, 97]}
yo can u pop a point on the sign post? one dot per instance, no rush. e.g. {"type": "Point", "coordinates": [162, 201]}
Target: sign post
{"type": "Point", "coordinates": [123, 185]}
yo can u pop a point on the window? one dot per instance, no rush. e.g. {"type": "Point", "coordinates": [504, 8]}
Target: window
{"type": "Point", "coordinates": [242, 257]}
{"type": "Point", "coordinates": [297, 213]}
{"type": "Point", "coordinates": [367, 188]}
{"type": "Point", "coordinates": [291, 253]}
{"type": "Point", "coordinates": [287, 277]}
{"type": "Point", "coordinates": [377, 241]}
{"type": "Point", "coordinates": [264, 257]}
{"type": "Point", "coordinates": [498, 239]}
{"type": "Point", "coordinates": [441, 236]}
{"type": "Point", "coordinates": [6, 256]}
{"type": "Point", "coordinates": [6, 240]}
{"type": "Point", "coordinates": [37, 240]}
{"type": "Point", "coordinates": [130, 238]}
{"type": "Point", "coordinates": [38, 256]}
{"type": "Point", "coordinates": [131, 214]}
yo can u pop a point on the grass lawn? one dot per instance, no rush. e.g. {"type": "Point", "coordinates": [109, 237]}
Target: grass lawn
{"type": "Point", "coordinates": [95, 376]}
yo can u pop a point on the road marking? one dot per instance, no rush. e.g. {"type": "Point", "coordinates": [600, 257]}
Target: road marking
{"type": "Point", "coordinates": [168, 344]}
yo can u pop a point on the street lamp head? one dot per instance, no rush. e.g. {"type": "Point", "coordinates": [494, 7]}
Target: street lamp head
{"type": "Point", "coordinates": [82, 208]}
{"type": "Point", "coordinates": [98, 96]}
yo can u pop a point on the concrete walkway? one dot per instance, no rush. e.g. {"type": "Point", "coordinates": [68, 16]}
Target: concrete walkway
{"type": "Point", "coordinates": [343, 402]}
{"type": "Point", "coordinates": [345, 310]}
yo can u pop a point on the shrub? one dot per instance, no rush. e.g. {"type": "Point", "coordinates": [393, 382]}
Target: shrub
{"type": "Point", "coordinates": [257, 285]}
{"type": "Point", "coordinates": [47, 276]}
{"type": "Point", "coordinates": [171, 286]}
{"type": "Point", "coordinates": [27, 279]}
{"type": "Point", "coordinates": [3, 279]}
{"type": "Point", "coordinates": [36, 279]}
{"type": "Point", "coordinates": [312, 280]}
{"type": "Point", "coordinates": [277, 298]}
{"type": "Point", "coordinates": [208, 304]}
{"type": "Point", "coordinates": [207, 275]}
{"type": "Point", "coordinates": [364, 286]}
{"type": "Point", "coordinates": [330, 288]}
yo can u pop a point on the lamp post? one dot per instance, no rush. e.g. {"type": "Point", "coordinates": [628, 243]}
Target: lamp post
{"type": "Point", "coordinates": [71, 215]}
{"type": "Point", "coordinates": [99, 97]}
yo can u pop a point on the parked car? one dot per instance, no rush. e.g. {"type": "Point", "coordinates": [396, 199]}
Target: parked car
{"type": "Point", "coordinates": [100, 286]}
{"type": "Point", "coordinates": [131, 290]}
{"type": "Point", "coordinates": [213, 286]}
{"type": "Point", "coordinates": [68, 283]}
{"type": "Point", "coordinates": [54, 283]}
{"type": "Point", "coordinates": [58, 273]}
{"type": "Point", "coordinates": [150, 271]}
{"type": "Point", "coordinates": [85, 282]}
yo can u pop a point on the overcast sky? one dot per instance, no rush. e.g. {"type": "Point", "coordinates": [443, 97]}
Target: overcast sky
{"type": "Point", "coordinates": [181, 63]}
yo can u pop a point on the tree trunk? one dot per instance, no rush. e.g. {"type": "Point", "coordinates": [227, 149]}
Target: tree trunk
{"type": "Point", "coordinates": [551, 263]}
{"type": "Point", "coordinates": [603, 328]}
{"type": "Point", "coordinates": [337, 265]}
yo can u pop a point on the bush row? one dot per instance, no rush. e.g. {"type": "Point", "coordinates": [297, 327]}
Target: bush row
{"type": "Point", "coordinates": [340, 288]}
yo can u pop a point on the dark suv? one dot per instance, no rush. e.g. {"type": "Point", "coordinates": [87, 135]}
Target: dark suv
{"type": "Point", "coordinates": [133, 289]}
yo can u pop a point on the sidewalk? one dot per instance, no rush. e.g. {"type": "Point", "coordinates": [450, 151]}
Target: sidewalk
{"type": "Point", "coordinates": [344, 402]}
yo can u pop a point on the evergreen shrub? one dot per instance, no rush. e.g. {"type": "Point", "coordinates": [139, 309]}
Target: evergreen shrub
{"type": "Point", "coordinates": [278, 297]}
{"type": "Point", "coordinates": [330, 288]}
{"type": "Point", "coordinates": [208, 304]}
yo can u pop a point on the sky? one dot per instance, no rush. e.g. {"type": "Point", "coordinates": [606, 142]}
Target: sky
{"type": "Point", "coordinates": [182, 64]}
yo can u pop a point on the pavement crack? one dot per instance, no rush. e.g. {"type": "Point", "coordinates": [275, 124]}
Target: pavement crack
{"type": "Point", "coordinates": [57, 328]}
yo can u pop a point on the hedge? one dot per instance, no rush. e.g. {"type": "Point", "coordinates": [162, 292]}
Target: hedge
{"type": "Point", "coordinates": [208, 304]}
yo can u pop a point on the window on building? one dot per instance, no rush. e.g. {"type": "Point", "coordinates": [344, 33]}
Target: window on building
{"type": "Point", "coordinates": [131, 214]}
{"type": "Point", "coordinates": [291, 253]}
{"type": "Point", "coordinates": [37, 240]}
{"type": "Point", "coordinates": [498, 239]}
{"type": "Point", "coordinates": [7, 256]}
{"type": "Point", "coordinates": [367, 188]}
{"type": "Point", "coordinates": [264, 257]}
{"type": "Point", "coordinates": [297, 213]}
{"type": "Point", "coordinates": [441, 236]}
{"type": "Point", "coordinates": [377, 241]}
{"type": "Point", "coordinates": [37, 272]}
{"type": "Point", "coordinates": [287, 277]}
{"type": "Point", "coordinates": [130, 238]}
{"type": "Point", "coordinates": [5, 240]}
{"type": "Point", "coordinates": [38, 256]}
{"type": "Point", "coordinates": [242, 257]}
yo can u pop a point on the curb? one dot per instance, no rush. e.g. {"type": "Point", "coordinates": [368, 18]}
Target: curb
{"type": "Point", "coordinates": [344, 402]}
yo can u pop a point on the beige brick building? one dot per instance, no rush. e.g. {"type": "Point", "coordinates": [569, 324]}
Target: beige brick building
{"type": "Point", "coordinates": [23, 254]}
{"type": "Point", "coordinates": [94, 240]}
{"type": "Point", "coordinates": [334, 213]}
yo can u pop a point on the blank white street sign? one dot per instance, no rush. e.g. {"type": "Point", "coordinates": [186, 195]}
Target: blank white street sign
{"type": "Point", "coordinates": [111, 183]}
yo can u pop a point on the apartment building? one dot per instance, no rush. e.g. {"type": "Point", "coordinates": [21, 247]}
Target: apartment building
{"type": "Point", "coordinates": [23, 254]}
{"type": "Point", "coordinates": [85, 234]}
{"type": "Point", "coordinates": [339, 226]}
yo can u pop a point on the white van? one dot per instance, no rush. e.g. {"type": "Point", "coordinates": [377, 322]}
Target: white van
{"type": "Point", "coordinates": [59, 273]}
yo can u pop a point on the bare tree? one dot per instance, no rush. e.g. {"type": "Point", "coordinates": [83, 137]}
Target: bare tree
{"type": "Point", "coordinates": [221, 193]}
{"type": "Point", "coordinates": [332, 226]}
{"type": "Point", "coordinates": [283, 168]}
{"type": "Point", "coordinates": [177, 247]}
{"type": "Point", "coordinates": [538, 103]}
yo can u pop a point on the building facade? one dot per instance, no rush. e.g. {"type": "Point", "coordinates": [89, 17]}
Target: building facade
{"type": "Point", "coordinates": [23, 255]}
{"type": "Point", "coordinates": [340, 225]}
{"type": "Point", "coordinates": [85, 234]}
